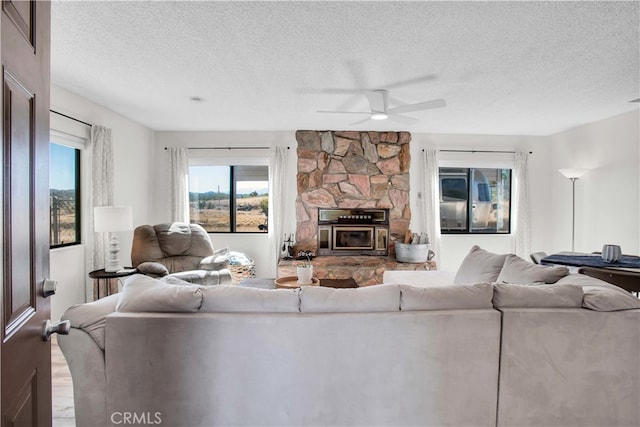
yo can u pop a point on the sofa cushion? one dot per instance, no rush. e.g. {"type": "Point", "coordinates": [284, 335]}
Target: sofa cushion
{"type": "Point", "coordinates": [446, 297]}
{"type": "Point", "coordinates": [418, 278]}
{"type": "Point", "coordinates": [235, 299]}
{"type": "Point", "coordinates": [600, 295]}
{"type": "Point", "coordinates": [90, 317]}
{"type": "Point", "coordinates": [517, 270]}
{"type": "Point", "coordinates": [585, 281]}
{"type": "Point", "coordinates": [204, 277]}
{"type": "Point", "coordinates": [479, 266]}
{"type": "Point", "coordinates": [146, 294]}
{"type": "Point", "coordinates": [604, 299]}
{"type": "Point", "coordinates": [541, 296]}
{"type": "Point", "coordinates": [319, 299]}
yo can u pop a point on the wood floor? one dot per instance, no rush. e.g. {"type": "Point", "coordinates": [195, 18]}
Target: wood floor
{"type": "Point", "coordinates": [62, 388]}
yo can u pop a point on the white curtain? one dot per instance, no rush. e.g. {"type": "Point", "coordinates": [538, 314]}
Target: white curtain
{"type": "Point", "coordinates": [179, 184]}
{"type": "Point", "coordinates": [100, 158]}
{"type": "Point", "coordinates": [277, 200]}
{"type": "Point", "coordinates": [431, 201]}
{"type": "Point", "coordinates": [520, 223]}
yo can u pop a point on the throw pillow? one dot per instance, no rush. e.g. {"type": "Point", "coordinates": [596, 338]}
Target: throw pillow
{"type": "Point", "coordinates": [235, 299]}
{"type": "Point", "coordinates": [146, 294]}
{"type": "Point", "coordinates": [517, 270]}
{"type": "Point", "coordinates": [153, 269]}
{"type": "Point", "coordinates": [217, 261]}
{"type": "Point", "coordinates": [541, 296]}
{"type": "Point", "coordinates": [318, 299]}
{"type": "Point", "coordinates": [459, 297]}
{"type": "Point", "coordinates": [479, 266]}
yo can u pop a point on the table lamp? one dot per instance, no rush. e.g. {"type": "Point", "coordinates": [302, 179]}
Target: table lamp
{"type": "Point", "coordinates": [573, 174]}
{"type": "Point", "coordinates": [109, 219]}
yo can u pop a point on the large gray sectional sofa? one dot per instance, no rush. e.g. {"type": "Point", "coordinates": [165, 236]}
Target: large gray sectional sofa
{"type": "Point", "coordinates": [480, 354]}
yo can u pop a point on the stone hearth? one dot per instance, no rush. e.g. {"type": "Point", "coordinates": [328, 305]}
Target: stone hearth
{"type": "Point", "coordinates": [351, 170]}
{"type": "Point", "coordinates": [365, 270]}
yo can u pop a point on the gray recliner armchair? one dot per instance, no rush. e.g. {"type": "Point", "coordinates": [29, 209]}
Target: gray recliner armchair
{"type": "Point", "coordinates": [180, 250]}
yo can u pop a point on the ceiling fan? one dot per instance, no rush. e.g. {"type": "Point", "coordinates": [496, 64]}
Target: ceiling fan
{"type": "Point", "coordinates": [379, 103]}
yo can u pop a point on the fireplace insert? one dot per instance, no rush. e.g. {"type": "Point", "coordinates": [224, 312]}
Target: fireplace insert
{"type": "Point", "coordinates": [353, 232]}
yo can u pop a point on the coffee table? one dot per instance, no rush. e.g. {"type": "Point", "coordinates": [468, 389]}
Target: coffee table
{"type": "Point", "coordinates": [270, 283]}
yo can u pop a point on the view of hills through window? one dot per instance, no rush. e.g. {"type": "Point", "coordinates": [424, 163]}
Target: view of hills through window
{"type": "Point", "coordinates": [64, 191]}
{"type": "Point", "coordinates": [217, 191]}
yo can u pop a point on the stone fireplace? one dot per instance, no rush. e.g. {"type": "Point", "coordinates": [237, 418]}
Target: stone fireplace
{"type": "Point", "coordinates": [353, 232]}
{"type": "Point", "coordinates": [351, 170]}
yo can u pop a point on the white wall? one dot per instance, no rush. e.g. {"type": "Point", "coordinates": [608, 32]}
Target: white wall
{"type": "Point", "coordinates": [133, 149]}
{"type": "Point", "coordinates": [607, 197]}
{"type": "Point", "coordinates": [256, 246]}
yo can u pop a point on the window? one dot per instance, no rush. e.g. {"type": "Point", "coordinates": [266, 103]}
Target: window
{"type": "Point", "coordinates": [229, 199]}
{"type": "Point", "coordinates": [480, 194]}
{"type": "Point", "coordinates": [64, 195]}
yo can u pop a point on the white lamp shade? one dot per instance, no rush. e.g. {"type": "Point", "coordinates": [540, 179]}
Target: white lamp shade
{"type": "Point", "coordinates": [112, 218]}
{"type": "Point", "coordinates": [573, 172]}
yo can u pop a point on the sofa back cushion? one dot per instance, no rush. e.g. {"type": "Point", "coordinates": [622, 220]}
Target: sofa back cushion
{"type": "Point", "coordinates": [600, 295]}
{"type": "Point", "coordinates": [146, 294]}
{"type": "Point", "coordinates": [479, 266]}
{"type": "Point", "coordinates": [537, 296]}
{"type": "Point", "coordinates": [235, 299]}
{"type": "Point", "coordinates": [456, 297]}
{"type": "Point", "coordinates": [604, 299]}
{"type": "Point", "coordinates": [517, 270]}
{"type": "Point", "coordinates": [318, 299]}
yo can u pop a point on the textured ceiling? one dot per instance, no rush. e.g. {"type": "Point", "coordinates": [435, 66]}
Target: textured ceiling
{"type": "Point", "coordinates": [522, 68]}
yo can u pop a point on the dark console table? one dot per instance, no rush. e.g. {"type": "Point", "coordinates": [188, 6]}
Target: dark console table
{"type": "Point", "coordinates": [626, 279]}
{"type": "Point", "coordinates": [624, 273]}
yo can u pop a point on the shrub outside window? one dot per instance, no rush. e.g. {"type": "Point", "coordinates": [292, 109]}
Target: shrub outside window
{"type": "Point", "coordinates": [475, 200]}
{"type": "Point", "coordinates": [64, 195]}
{"type": "Point", "coordinates": [229, 199]}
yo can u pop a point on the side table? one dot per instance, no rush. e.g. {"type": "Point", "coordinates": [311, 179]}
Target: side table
{"type": "Point", "coordinates": [105, 284]}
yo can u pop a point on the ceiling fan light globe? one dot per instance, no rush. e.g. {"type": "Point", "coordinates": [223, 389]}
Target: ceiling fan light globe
{"type": "Point", "coordinates": [379, 116]}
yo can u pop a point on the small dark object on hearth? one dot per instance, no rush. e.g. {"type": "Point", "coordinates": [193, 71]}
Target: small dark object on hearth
{"type": "Point", "coordinates": [302, 255]}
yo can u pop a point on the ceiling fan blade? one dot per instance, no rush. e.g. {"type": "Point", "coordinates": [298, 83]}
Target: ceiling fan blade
{"type": "Point", "coordinates": [343, 112]}
{"type": "Point", "coordinates": [402, 119]}
{"type": "Point", "coordinates": [378, 100]}
{"type": "Point", "coordinates": [435, 103]}
{"type": "Point", "coordinates": [340, 91]}
{"type": "Point", "coordinates": [413, 81]}
{"type": "Point", "coordinates": [361, 121]}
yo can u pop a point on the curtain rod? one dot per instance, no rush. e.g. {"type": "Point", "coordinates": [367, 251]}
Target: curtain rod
{"type": "Point", "coordinates": [71, 118]}
{"type": "Point", "coordinates": [226, 148]}
{"type": "Point", "coordinates": [479, 151]}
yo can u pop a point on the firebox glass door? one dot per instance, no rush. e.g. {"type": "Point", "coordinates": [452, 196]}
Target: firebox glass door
{"type": "Point", "coordinates": [323, 237]}
{"type": "Point", "coordinates": [353, 237]}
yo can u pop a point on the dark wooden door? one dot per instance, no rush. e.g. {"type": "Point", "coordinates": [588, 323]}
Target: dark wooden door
{"type": "Point", "coordinates": [25, 358]}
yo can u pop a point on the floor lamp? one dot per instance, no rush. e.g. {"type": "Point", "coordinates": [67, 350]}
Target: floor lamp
{"type": "Point", "coordinates": [108, 219]}
{"type": "Point", "coordinates": [573, 175]}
